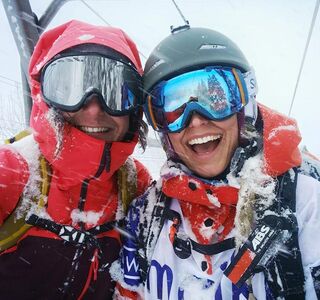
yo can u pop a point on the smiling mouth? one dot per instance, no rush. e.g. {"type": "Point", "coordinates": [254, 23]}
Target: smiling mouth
{"type": "Point", "coordinates": [206, 144]}
{"type": "Point", "coordinates": [87, 129]}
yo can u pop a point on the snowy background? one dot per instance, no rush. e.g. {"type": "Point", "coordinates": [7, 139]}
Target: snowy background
{"type": "Point", "coordinates": [272, 34]}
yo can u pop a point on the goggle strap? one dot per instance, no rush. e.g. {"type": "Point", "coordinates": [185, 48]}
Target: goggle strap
{"type": "Point", "coordinates": [240, 85]}
{"type": "Point", "coordinates": [251, 84]}
{"type": "Point", "coordinates": [152, 118]}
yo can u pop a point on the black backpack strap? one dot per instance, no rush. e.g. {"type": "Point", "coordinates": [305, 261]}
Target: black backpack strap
{"type": "Point", "coordinates": [85, 238]}
{"type": "Point", "coordinates": [284, 274]}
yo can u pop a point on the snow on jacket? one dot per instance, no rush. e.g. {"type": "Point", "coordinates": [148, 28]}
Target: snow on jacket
{"type": "Point", "coordinates": [83, 189]}
{"type": "Point", "coordinates": [211, 212]}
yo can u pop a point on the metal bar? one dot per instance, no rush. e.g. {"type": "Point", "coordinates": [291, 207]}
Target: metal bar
{"type": "Point", "coordinates": [26, 97]}
{"type": "Point", "coordinates": [49, 14]}
{"type": "Point", "coordinates": [26, 30]}
{"type": "Point", "coordinates": [23, 26]}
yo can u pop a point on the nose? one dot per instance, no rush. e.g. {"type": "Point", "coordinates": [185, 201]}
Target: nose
{"type": "Point", "coordinates": [197, 120]}
{"type": "Point", "coordinates": [93, 105]}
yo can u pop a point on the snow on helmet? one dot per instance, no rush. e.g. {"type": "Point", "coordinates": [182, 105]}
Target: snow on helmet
{"type": "Point", "coordinates": [189, 49]}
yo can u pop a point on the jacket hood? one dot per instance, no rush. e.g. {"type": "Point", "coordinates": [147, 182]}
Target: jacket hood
{"type": "Point", "coordinates": [63, 145]}
{"type": "Point", "coordinates": [281, 138]}
{"type": "Point", "coordinates": [74, 33]}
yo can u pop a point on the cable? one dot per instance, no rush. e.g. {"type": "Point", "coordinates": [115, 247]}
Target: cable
{"type": "Point", "coordinates": [17, 82]}
{"type": "Point", "coordinates": [103, 19]}
{"type": "Point", "coordinates": [95, 12]}
{"type": "Point", "coordinates": [179, 10]}
{"type": "Point", "coordinates": [316, 8]}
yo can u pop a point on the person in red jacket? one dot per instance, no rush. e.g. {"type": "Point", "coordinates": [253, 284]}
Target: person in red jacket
{"type": "Point", "coordinates": [85, 123]}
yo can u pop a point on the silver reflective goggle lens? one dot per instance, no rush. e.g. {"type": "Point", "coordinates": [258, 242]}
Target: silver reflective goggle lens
{"type": "Point", "coordinates": [68, 81]}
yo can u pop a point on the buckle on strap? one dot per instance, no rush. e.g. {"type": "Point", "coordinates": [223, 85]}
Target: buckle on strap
{"type": "Point", "coordinates": [65, 232]}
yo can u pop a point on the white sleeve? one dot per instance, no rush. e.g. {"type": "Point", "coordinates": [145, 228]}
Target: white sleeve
{"type": "Point", "coordinates": [308, 217]}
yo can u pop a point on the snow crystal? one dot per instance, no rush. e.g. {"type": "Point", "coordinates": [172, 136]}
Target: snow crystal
{"type": "Point", "coordinates": [152, 198]}
{"type": "Point", "coordinates": [170, 169]}
{"type": "Point", "coordinates": [131, 177]}
{"type": "Point", "coordinates": [214, 200]}
{"type": "Point", "coordinates": [89, 217]}
{"type": "Point", "coordinates": [292, 174]}
{"type": "Point", "coordinates": [196, 183]}
{"type": "Point", "coordinates": [275, 131]}
{"type": "Point", "coordinates": [131, 169]}
{"type": "Point", "coordinates": [38, 98]}
{"type": "Point", "coordinates": [256, 188]}
{"type": "Point", "coordinates": [19, 36]}
{"type": "Point", "coordinates": [56, 122]}
{"type": "Point", "coordinates": [86, 37]}
{"type": "Point", "coordinates": [190, 283]}
{"type": "Point", "coordinates": [207, 232]}
{"type": "Point", "coordinates": [116, 273]}
{"type": "Point", "coordinates": [29, 149]}
{"type": "Point", "coordinates": [186, 225]}
{"type": "Point", "coordinates": [41, 63]}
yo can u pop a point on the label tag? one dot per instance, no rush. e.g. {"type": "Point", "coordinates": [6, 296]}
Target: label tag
{"type": "Point", "coordinates": [251, 252]}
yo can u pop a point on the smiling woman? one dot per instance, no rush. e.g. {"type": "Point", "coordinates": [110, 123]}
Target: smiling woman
{"type": "Point", "coordinates": [206, 147]}
{"type": "Point", "coordinates": [229, 194]}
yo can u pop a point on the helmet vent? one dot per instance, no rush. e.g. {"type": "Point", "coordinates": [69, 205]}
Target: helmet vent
{"type": "Point", "coordinates": [156, 64]}
{"type": "Point", "coordinates": [212, 46]}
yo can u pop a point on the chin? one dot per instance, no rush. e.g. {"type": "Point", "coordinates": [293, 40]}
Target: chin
{"type": "Point", "coordinates": [206, 172]}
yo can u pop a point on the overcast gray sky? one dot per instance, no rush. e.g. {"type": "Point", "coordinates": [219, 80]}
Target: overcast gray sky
{"type": "Point", "coordinates": [272, 34]}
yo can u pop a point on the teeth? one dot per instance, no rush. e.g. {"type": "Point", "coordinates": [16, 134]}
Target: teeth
{"type": "Point", "coordinates": [205, 139]}
{"type": "Point", "coordinates": [93, 129]}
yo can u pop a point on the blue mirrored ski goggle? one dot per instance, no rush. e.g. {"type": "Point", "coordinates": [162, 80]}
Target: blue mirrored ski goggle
{"type": "Point", "coordinates": [67, 82]}
{"type": "Point", "coordinates": [214, 92]}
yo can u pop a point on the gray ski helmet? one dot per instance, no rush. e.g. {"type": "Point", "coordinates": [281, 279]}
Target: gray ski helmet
{"type": "Point", "coordinates": [191, 49]}
{"type": "Point", "coordinates": [188, 50]}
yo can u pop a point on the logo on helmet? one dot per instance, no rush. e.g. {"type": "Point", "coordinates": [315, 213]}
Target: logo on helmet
{"type": "Point", "coordinates": [212, 46]}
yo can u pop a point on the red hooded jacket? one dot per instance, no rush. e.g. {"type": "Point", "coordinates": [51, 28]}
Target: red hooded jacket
{"type": "Point", "coordinates": [83, 190]}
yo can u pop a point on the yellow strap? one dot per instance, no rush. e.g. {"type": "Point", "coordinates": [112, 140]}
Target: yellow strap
{"type": "Point", "coordinates": [45, 180]}
{"type": "Point", "coordinates": [17, 137]}
{"type": "Point", "coordinates": [127, 188]}
{"type": "Point", "coordinates": [12, 239]}
{"type": "Point", "coordinates": [13, 228]}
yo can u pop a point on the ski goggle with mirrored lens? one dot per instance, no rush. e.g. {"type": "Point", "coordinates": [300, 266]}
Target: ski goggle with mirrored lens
{"type": "Point", "coordinates": [67, 82]}
{"type": "Point", "coordinates": [213, 92]}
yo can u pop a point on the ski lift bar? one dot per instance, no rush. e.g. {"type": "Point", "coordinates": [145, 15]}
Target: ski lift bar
{"type": "Point", "coordinates": [49, 14]}
{"type": "Point", "coordinates": [26, 30]}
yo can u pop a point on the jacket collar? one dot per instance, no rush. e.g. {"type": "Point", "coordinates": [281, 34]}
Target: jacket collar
{"type": "Point", "coordinates": [74, 155]}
